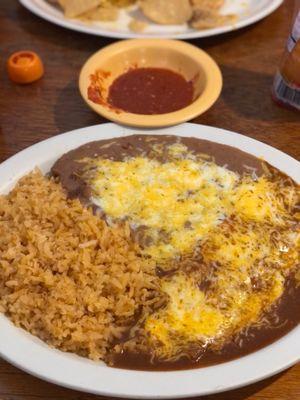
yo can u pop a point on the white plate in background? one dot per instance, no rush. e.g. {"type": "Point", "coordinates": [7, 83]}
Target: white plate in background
{"type": "Point", "coordinates": [248, 11]}
{"type": "Point", "coordinates": [32, 355]}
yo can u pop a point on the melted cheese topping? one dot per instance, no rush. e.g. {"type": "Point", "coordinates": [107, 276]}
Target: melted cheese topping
{"type": "Point", "coordinates": [178, 201]}
{"type": "Point", "coordinates": [187, 318]}
{"type": "Point", "coordinates": [240, 224]}
{"type": "Point", "coordinates": [258, 200]}
{"type": "Point", "coordinates": [233, 301]}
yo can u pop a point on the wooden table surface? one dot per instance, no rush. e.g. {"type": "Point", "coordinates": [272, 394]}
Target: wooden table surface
{"type": "Point", "coordinates": [248, 59]}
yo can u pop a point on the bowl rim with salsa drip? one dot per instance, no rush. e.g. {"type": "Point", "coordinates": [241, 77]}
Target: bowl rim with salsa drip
{"type": "Point", "coordinates": [209, 95]}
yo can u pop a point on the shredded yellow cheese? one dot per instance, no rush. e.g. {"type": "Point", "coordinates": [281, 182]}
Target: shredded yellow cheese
{"type": "Point", "coordinates": [183, 198]}
{"type": "Point", "coordinates": [241, 224]}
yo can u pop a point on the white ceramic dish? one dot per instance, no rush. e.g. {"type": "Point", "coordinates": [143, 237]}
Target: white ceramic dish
{"type": "Point", "coordinates": [248, 11]}
{"type": "Point", "coordinates": [35, 357]}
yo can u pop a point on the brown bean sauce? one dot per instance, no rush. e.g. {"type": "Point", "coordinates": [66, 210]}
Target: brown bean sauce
{"type": "Point", "coordinates": [68, 169]}
{"type": "Point", "coordinates": [287, 311]}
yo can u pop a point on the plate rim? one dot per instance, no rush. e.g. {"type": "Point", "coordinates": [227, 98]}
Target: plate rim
{"type": "Point", "coordinates": [68, 24]}
{"type": "Point", "coordinates": [156, 385]}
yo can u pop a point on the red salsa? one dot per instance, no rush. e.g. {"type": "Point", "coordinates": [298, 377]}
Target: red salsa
{"type": "Point", "coordinates": [150, 91]}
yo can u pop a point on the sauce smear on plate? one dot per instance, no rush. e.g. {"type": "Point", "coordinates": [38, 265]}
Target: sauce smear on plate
{"type": "Point", "coordinates": [150, 91]}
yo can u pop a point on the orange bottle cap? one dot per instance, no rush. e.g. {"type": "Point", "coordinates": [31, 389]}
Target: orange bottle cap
{"type": "Point", "coordinates": [25, 67]}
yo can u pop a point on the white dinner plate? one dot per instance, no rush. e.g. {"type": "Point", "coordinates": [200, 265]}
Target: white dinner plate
{"type": "Point", "coordinates": [248, 12]}
{"type": "Point", "coordinates": [32, 355]}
